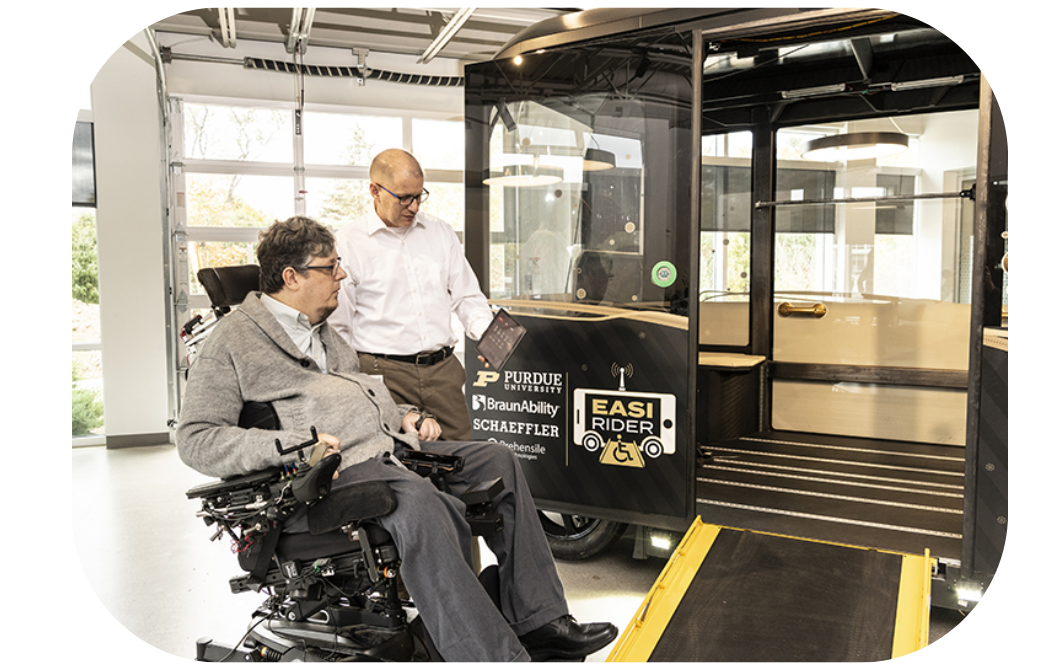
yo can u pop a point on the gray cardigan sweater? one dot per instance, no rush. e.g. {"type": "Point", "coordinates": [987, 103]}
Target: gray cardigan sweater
{"type": "Point", "coordinates": [249, 357]}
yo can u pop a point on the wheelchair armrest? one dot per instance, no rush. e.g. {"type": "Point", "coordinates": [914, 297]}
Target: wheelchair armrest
{"type": "Point", "coordinates": [483, 492]}
{"type": "Point", "coordinates": [234, 483]}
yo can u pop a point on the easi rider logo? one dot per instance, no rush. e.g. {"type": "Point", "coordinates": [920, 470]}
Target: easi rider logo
{"type": "Point", "coordinates": [626, 425]}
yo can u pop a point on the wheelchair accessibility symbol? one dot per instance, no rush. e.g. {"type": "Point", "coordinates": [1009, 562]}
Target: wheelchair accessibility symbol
{"type": "Point", "coordinates": [618, 452]}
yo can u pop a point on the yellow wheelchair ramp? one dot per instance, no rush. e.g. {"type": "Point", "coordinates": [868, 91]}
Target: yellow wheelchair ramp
{"type": "Point", "coordinates": [736, 595]}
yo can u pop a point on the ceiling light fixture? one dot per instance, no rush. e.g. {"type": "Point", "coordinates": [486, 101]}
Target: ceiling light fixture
{"type": "Point", "coordinates": [855, 146]}
{"type": "Point", "coordinates": [525, 175]}
{"type": "Point", "coordinates": [595, 159]}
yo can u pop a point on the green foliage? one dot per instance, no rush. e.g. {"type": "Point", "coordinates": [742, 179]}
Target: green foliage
{"type": "Point", "coordinates": [349, 199]}
{"type": "Point", "coordinates": [87, 409]}
{"type": "Point", "coordinates": [85, 259]}
{"type": "Point", "coordinates": [795, 254]}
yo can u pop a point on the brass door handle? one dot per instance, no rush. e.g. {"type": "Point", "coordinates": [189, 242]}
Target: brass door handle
{"type": "Point", "coordinates": [787, 309]}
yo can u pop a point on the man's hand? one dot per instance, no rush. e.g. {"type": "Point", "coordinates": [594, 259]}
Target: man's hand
{"type": "Point", "coordinates": [333, 447]}
{"type": "Point", "coordinates": [428, 429]}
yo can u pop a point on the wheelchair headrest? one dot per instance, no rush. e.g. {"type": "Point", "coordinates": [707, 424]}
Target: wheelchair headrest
{"type": "Point", "coordinates": [228, 286]}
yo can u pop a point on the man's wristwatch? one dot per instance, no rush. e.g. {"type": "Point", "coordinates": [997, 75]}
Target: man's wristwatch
{"type": "Point", "coordinates": [423, 416]}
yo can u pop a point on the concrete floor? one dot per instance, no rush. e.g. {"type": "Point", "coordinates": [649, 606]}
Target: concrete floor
{"type": "Point", "coordinates": [148, 560]}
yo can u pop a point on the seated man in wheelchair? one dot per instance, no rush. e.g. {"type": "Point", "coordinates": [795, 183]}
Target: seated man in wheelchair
{"type": "Point", "coordinates": [277, 349]}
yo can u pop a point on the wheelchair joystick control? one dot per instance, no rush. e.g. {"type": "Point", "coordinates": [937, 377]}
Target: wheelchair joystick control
{"type": "Point", "coordinates": [313, 485]}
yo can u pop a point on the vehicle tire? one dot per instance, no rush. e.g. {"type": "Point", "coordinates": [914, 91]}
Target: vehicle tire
{"type": "Point", "coordinates": [578, 537]}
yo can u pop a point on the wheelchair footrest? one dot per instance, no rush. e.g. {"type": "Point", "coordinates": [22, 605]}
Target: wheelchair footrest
{"type": "Point", "coordinates": [246, 583]}
{"type": "Point", "coordinates": [486, 524]}
{"type": "Point", "coordinates": [483, 492]}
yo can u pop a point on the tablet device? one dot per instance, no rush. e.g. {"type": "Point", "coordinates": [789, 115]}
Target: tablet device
{"type": "Point", "coordinates": [499, 339]}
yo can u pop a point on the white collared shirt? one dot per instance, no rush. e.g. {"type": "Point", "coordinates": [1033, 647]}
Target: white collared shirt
{"type": "Point", "coordinates": [403, 287]}
{"type": "Point", "coordinates": [305, 337]}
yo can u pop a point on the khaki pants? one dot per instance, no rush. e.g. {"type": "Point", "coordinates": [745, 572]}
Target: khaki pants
{"type": "Point", "coordinates": [438, 389]}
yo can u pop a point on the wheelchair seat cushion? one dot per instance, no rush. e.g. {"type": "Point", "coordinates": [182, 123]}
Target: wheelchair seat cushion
{"type": "Point", "coordinates": [348, 504]}
{"type": "Point", "coordinates": [305, 546]}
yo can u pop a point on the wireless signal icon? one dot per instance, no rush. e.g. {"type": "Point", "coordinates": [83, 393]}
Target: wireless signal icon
{"type": "Point", "coordinates": [621, 372]}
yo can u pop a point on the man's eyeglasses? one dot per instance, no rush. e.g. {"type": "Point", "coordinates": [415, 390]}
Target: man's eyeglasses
{"type": "Point", "coordinates": [406, 200]}
{"type": "Point", "coordinates": [331, 269]}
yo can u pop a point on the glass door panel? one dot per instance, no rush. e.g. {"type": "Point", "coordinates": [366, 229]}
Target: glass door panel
{"type": "Point", "coordinates": [725, 239]}
{"type": "Point", "coordinates": [874, 284]}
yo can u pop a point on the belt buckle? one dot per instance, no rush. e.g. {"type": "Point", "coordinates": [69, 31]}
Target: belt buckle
{"type": "Point", "coordinates": [422, 359]}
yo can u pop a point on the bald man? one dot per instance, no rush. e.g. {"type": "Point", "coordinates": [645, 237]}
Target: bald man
{"type": "Point", "coordinates": [407, 275]}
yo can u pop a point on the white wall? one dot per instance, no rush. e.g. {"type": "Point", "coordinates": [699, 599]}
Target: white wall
{"type": "Point", "coordinates": [133, 301]}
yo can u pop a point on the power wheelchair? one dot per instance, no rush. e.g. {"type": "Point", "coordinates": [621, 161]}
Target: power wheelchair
{"type": "Point", "coordinates": [331, 593]}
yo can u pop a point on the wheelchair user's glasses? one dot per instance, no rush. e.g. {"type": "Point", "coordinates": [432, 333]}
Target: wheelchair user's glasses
{"type": "Point", "coordinates": [331, 269]}
{"type": "Point", "coordinates": [406, 200]}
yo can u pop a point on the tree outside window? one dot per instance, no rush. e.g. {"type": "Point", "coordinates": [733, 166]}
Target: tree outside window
{"type": "Point", "coordinates": [87, 407]}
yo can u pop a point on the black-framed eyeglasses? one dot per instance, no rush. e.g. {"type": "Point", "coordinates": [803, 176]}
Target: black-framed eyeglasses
{"type": "Point", "coordinates": [406, 200]}
{"type": "Point", "coordinates": [331, 269]}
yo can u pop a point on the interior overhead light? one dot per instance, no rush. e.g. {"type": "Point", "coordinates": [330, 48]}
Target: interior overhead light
{"type": "Point", "coordinates": [525, 175]}
{"type": "Point", "coordinates": [855, 146]}
{"type": "Point", "coordinates": [595, 159]}
{"type": "Point", "coordinates": [929, 82]}
{"type": "Point", "coordinates": [814, 91]}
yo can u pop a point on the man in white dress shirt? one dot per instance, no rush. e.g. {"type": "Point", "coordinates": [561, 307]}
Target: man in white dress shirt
{"type": "Point", "coordinates": [407, 276]}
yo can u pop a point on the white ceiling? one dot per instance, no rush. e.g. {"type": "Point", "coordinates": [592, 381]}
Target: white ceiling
{"type": "Point", "coordinates": [405, 31]}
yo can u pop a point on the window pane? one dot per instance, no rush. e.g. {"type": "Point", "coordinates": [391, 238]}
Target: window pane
{"type": "Point", "coordinates": [332, 139]}
{"type": "Point", "coordinates": [88, 415]}
{"type": "Point", "coordinates": [85, 256]}
{"type": "Point", "coordinates": [438, 144]}
{"type": "Point", "coordinates": [865, 249]}
{"type": "Point", "coordinates": [247, 201]}
{"type": "Point", "coordinates": [216, 254]}
{"type": "Point", "coordinates": [336, 202]}
{"type": "Point", "coordinates": [725, 240]}
{"type": "Point", "coordinates": [237, 134]}
{"type": "Point", "coordinates": [582, 215]}
{"type": "Point", "coordinates": [86, 328]}
{"type": "Point", "coordinates": [446, 202]}
{"type": "Point", "coordinates": [84, 164]}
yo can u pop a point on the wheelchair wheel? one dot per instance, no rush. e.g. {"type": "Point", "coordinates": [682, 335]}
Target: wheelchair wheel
{"type": "Point", "coordinates": [576, 537]}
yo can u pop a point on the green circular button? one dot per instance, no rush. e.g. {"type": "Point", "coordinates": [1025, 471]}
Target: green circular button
{"type": "Point", "coordinates": [664, 274]}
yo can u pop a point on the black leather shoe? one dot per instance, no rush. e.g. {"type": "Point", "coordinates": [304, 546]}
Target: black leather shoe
{"type": "Point", "coordinates": [567, 639]}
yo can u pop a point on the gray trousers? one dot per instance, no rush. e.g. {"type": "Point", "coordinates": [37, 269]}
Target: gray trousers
{"type": "Point", "coordinates": [434, 540]}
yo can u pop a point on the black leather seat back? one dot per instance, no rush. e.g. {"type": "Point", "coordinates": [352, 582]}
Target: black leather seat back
{"type": "Point", "coordinates": [228, 286]}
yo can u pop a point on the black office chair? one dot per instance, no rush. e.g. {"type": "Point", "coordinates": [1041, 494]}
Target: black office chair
{"type": "Point", "coordinates": [332, 592]}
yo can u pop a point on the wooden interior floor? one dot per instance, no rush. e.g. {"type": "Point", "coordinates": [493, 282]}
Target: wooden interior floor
{"type": "Point", "coordinates": [895, 496]}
